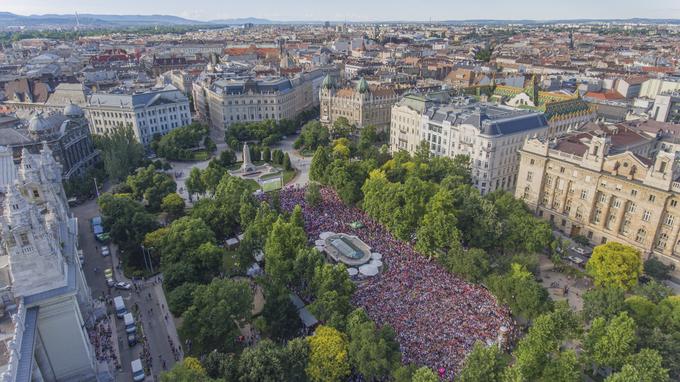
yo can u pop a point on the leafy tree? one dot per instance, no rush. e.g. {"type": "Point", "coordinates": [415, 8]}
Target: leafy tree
{"type": "Point", "coordinates": [177, 144]}
{"type": "Point", "coordinates": [305, 266]}
{"type": "Point", "coordinates": [657, 269]}
{"type": "Point", "coordinates": [181, 298]}
{"type": "Point", "coordinates": [644, 366]}
{"type": "Point", "coordinates": [313, 194]}
{"type": "Point", "coordinates": [280, 315]}
{"type": "Point", "coordinates": [125, 219]}
{"type": "Point", "coordinates": [332, 308]}
{"type": "Point", "coordinates": [320, 161]}
{"type": "Point", "coordinates": [477, 218]}
{"type": "Point", "coordinates": [484, 363]}
{"type": "Point", "coordinates": [286, 162]}
{"type": "Point", "coordinates": [404, 373]}
{"type": "Point", "coordinates": [609, 344]}
{"type": "Point", "coordinates": [521, 230]}
{"type": "Point", "coordinates": [189, 370]}
{"type": "Point", "coordinates": [374, 353]}
{"type": "Point", "coordinates": [210, 212]}
{"type": "Point", "coordinates": [472, 264]}
{"type": "Point", "coordinates": [438, 232]}
{"type": "Point", "coordinates": [424, 374]}
{"type": "Point", "coordinates": [188, 252]}
{"type": "Point", "coordinates": [604, 302]}
{"type": "Point", "coordinates": [653, 290]}
{"type": "Point", "coordinates": [615, 264]}
{"type": "Point", "coordinates": [264, 362]}
{"type": "Point", "coordinates": [211, 177]}
{"type": "Point", "coordinates": [564, 367]}
{"type": "Point", "coordinates": [283, 243]}
{"type": "Point", "coordinates": [173, 205]}
{"type": "Point", "coordinates": [526, 297]}
{"type": "Point", "coordinates": [298, 356]}
{"type": "Point", "coordinates": [211, 322]}
{"type": "Point", "coordinates": [194, 183]}
{"type": "Point", "coordinates": [120, 151]}
{"type": "Point", "coordinates": [342, 128]}
{"type": "Point", "coordinates": [313, 135]}
{"type": "Point", "coordinates": [247, 210]}
{"type": "Point", "coordinates": [328, 355]}
{"type": "Point", "coordinates": [296, 217]}
{"type": "Point", "coordinates": [267, 154]}
{"type": "Point", "coordinates": [221, 365]}
{"type": "Point", "coordinates": [328, 277]}
{"type": "Point", "coordinates": [151, 186]}
{"type": "Point", "coordinates": [541, 346]}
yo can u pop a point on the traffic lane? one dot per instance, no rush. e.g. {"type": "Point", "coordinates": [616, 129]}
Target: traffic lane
{"type": "Point", "coordinates": [91, 249]}
{"type": "Point", "coordinates": [152, 317]}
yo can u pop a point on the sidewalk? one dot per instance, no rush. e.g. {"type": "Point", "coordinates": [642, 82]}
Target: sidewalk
{"type": "Point", "coordinates": [170, 323]}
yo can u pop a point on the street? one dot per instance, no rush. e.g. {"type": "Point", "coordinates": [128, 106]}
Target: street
{"type": "Point", "coordinates": [149, 297]}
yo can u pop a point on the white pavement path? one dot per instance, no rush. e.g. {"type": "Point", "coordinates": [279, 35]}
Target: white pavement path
{"type": "Point", "coordinates": [180, 170]}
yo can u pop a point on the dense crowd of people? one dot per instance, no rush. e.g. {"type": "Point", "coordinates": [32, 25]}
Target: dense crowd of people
{"type": "Point", "coordinates": [100, 338]}
{"type": "Point", "coordinates": [437, 316]}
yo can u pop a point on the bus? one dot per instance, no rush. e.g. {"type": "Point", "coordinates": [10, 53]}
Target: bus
{"type": "Point", "coordinates": [120, 306]}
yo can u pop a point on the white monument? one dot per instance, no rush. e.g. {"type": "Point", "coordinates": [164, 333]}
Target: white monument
{"type": "Point", "coordinates": [247, 166]}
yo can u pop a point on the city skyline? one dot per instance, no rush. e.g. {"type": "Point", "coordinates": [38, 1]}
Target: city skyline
{"type": "Point", "coordinates": [304, 10]}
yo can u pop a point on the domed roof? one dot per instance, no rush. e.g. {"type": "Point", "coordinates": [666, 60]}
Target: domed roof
{"type": "Point", "coordinates": [73, 110]}
{"type": "Point", "coordinates": [327, 82]}
{"type": "Point", "coordinates": [37, 123]}
{"type": "Point", "coordinates": [362, 86]}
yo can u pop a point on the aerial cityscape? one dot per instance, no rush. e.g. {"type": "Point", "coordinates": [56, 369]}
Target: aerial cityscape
{"type": "Point", "coordinates": [310, 191]}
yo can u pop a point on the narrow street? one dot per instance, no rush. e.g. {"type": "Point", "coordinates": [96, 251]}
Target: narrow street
{"type": "Point", "coordinates": [149, 297]}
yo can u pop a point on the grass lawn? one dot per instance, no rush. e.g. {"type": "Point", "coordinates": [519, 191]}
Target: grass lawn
{"type": "Point", "coordinates": [201, 155]}
{"type": "Point", "coordinates": [288, 176]}
{"type": "Point", "coordinates": [307, 152]}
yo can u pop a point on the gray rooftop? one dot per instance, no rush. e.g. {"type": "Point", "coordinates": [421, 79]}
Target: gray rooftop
{"type": "Point", "coordinates": [489, 119]}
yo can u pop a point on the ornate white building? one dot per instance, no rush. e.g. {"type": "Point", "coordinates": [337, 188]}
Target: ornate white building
{"type": "Point", "coordinates": [44, 299]}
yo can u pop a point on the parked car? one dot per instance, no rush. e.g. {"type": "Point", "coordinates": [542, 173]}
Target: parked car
{"type": "Point", "coordinates": [108, 273]}
{"type": "Point", "coordinates": [110, 282]}
{"type": "Point", "coordinates": [123, 285]}
{"type": "Point", "coordinates": [576, 260]}
{"type": "Point", "coordinates": [132, 339]}
{"type": "Point", "coordinates": [106, 251]}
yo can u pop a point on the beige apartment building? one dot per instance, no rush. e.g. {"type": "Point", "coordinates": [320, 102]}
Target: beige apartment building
{"type": "Point", "coordinates": [362, 105]}
{"type": "Point", "coordinates": [607, 183]}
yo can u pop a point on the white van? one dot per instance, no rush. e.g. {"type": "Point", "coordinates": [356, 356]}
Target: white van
{"type": "Point", "coordinates": [137, 370]}
{"type": "Point", "coordinates": [130, 326]}
{"type": "Point", "coordinates": [120, 306]}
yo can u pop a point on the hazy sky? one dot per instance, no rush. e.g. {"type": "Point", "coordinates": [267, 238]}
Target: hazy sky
{"type": "Point", "coordinates": [358, 10]}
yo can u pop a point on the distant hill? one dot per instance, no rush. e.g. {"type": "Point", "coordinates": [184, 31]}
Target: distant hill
{"type": "Point", "coordinates": [8, 19]}
{"type": "Point", "coordinates": [246, 20]}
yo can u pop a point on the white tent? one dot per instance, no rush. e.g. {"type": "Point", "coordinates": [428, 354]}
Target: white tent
{"type": "Point", "coordinates": [376, 256]}
{"type": "Point", "coordinates": [368, 270]}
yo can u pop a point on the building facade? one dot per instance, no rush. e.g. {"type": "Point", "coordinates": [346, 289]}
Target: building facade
{"type": "Point", "coordinates": [154, 112]}
{"type": "Point", "coordinates": [44, 296]}
{"type": "Point", "coordinates": [362, 105]}
{"type": "Point", "coordinates": [223, 102]}
{"type": "Point", "coordinates": [66, 133]}
{"type": "Point", "coordinates": [607, 184]}
{"type": "Point", "coordinates": [490, 135]}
